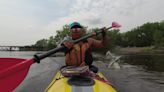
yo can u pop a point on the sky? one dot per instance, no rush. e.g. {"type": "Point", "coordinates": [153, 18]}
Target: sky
{"type": "Point", "coordinates": [23, 22]}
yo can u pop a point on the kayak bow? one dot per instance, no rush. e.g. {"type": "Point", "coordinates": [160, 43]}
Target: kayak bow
{"type": "Point", "coordinates": [76, 83]}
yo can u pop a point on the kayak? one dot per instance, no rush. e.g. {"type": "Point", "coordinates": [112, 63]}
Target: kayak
{"type": "Point", "coordinates": [79, 82]}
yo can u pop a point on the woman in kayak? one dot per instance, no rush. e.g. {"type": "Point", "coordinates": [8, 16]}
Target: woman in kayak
{"type": "Point", "coordinates": [80, 54]}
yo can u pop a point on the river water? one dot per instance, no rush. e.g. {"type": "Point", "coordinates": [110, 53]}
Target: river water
{"type": "Point", "coordinates": [137, 73]}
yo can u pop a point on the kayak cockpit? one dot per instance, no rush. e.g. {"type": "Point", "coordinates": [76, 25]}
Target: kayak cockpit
{"type": "Point", "coordinates": [81, 81]}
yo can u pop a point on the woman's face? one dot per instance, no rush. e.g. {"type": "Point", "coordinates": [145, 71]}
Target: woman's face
{"type": "Point", "coordinates": [76, 33]}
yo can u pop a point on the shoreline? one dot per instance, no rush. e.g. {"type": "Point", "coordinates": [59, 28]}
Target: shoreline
{"type": "Point", "coordinates": [138, 50]}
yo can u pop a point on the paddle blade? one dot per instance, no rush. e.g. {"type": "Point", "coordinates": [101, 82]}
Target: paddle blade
{"type": "Point", "coordinates": [12, 72]}
{"type": "Point", "coordinates": [115, 25]}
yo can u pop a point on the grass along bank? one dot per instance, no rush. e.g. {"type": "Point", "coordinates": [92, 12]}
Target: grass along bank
{"type": "Point", "coordinates": [139, 50]}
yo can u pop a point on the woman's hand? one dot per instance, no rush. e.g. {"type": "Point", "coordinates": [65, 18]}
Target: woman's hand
{"type": "Point", "coordinates": [104, 30]}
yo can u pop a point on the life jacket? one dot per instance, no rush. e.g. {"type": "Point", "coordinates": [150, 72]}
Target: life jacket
{"type": "Point", "coordinates": [77, 55]}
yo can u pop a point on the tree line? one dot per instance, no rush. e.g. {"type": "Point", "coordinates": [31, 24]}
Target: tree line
{"type": "Point", "coordinates": [148, 34]}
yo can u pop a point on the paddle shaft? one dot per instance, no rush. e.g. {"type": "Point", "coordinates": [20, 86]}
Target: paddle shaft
{"type": "Point", "coordinates": [37, 58]}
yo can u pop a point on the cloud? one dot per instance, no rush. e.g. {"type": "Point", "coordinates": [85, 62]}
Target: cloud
{"type": "Point", "coordinates": [22, 22]}
{"type": "Point", "coordinates": [102, 12]}
{"type": "Point", "coordinates": [26, 21]}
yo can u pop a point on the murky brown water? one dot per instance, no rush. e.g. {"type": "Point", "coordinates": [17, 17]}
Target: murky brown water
{"type": "Point", "coordinates": [138, 73]}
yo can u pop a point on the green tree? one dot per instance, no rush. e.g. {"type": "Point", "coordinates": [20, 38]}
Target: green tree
{"type": "Point", "coordinates": [41, 44]}
{"type": "Point", "coordinates": [158, 39]}
{"type": "Point", "coordinates": [51, 43]}
{"type": "Point", "coordinates": [60, 34]}
{"type": "Point", "coordinates": [147, 34]}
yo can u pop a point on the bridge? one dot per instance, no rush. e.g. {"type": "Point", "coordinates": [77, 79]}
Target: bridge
{"type": "Point", "coordinates": [10, 48]}
{"type": "Point", "coordinates": [19, 48]}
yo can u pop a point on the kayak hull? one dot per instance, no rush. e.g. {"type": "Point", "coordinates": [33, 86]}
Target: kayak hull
{"type": "Point", "coordinates": [60, 84]}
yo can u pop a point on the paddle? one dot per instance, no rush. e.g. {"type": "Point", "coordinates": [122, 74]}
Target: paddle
{"type": "Point", "coordinates": [14, 70]}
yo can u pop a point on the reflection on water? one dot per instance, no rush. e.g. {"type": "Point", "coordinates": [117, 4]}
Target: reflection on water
{"type": "Point", "coordinates": [148, 62]}
{"type": "Point", "coordinates": [138, 73]}
{"type": "Point", "coordinates": [147, 68]}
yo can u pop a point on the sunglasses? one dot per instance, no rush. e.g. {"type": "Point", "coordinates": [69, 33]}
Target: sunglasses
{"type": "Point", "coordinates": [77, 29]}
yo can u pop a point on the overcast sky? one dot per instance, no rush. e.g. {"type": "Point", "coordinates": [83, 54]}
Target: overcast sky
{"type": "Point", "coordinates": [23, 22]}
